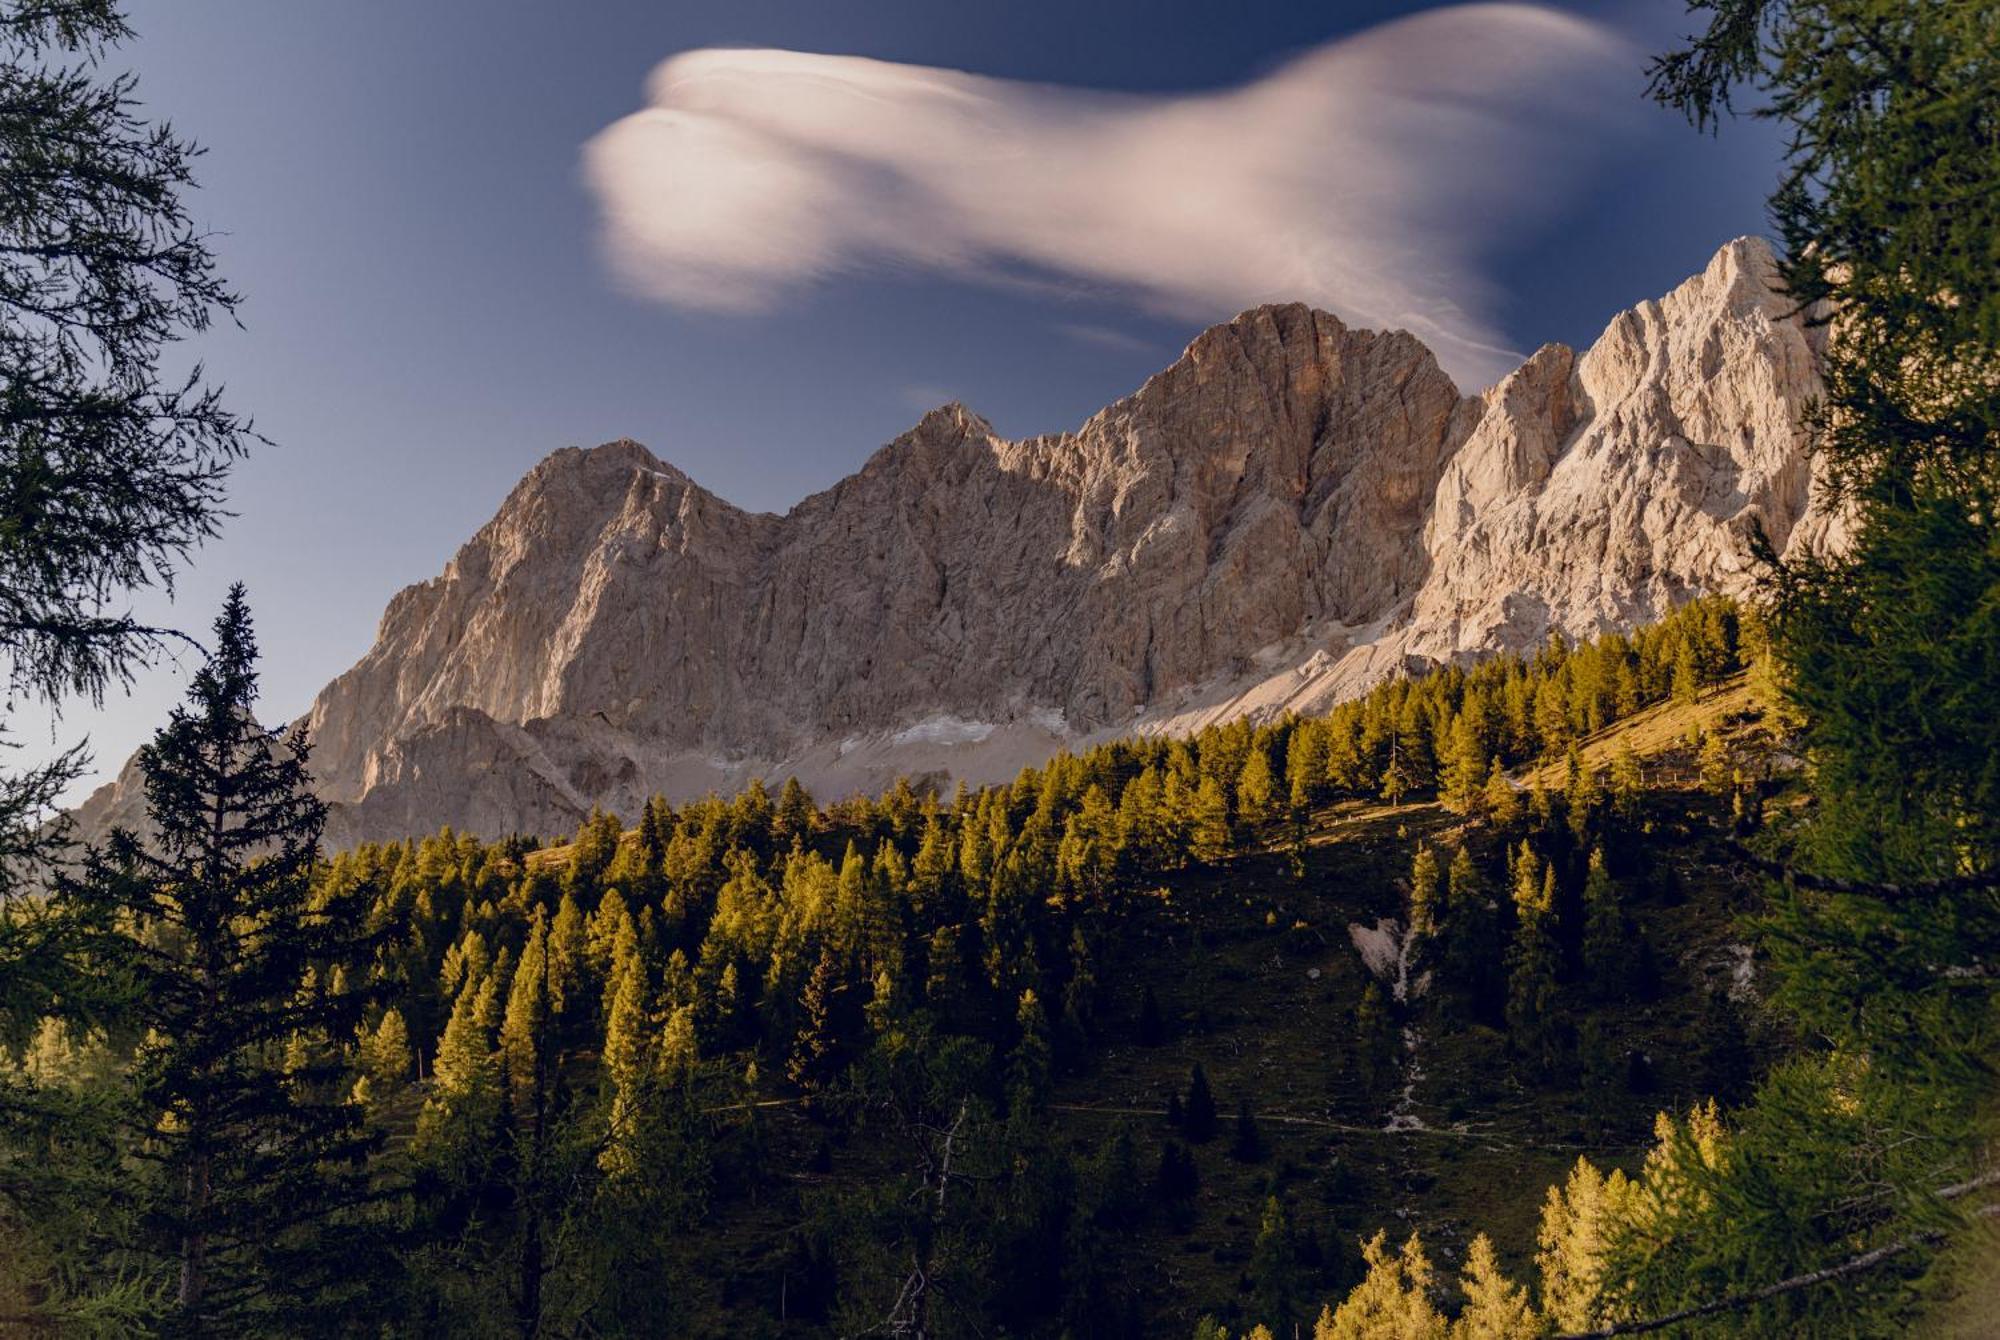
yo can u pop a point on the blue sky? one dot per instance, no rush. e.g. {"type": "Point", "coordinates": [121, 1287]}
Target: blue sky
{"type": "Point", "coordinates": [400, 193]}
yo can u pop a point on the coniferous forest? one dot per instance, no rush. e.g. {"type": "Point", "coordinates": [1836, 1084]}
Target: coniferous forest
{"type": "Point", "coordinates": [1638, 985]}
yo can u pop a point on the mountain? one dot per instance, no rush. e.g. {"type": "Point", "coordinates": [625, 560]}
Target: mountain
{"type": "Point", "coordinates": [1291, 511]}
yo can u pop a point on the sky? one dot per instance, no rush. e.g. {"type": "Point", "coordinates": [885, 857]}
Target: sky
{"type": "Point", "coordinates": [763, 236]}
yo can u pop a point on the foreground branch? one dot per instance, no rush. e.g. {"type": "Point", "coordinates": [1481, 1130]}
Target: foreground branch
{"type": "Point", "coordinates": [1853, 1265]}
{"type": "Point", "coordinates": [1828, 884]}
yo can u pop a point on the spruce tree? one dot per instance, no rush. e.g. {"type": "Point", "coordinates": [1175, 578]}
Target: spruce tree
{"type": "Point", "coordinates": [1248, 1144]}
{"type": "Point", "coordinates": [1029, 1063]}
{"type": "Point", "coordinates": [1152, 1028]}
{"type": "Point", "coordinates": [1425, 891]}
{"type": "Point", "coordinates": [1607, 936]}
{"type": "Point", "coordinates": [1468, 958]}
{"type": "Point", "coordinates": [113, 458]}
{"type": "Point", "coordinates": [1198, 1112]}
{"type": "Point", "coordinates": [1534, 959]}
{"type": "Point", "coordinates": [256, 1173]}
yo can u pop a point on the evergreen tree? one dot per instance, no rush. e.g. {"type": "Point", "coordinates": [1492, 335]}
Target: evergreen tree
{"type": "Point", "coordinates": [572, 990]}
{"type": "Point", "coordinates": [819, 1050]}
{"type": "Point", "coordinates": [1467, 959]}
{"type": "Point", "coordinates": [464, 1097]}
{"type": "Point", "coordinates": [525, 1025]}
{"type": "Point", "coordinates": [385, 1054]}
{"type": "Point", "coordinates": [1152, 1028]}
{"type": "Point", "coordinates": [626, 1050]}
{"type": "Point", "coordinates": [1503, 806]}
{"type": "Point", "coordinates": [793, 821]}
{"type": "Point", "coordinates": [679, 1052]}
{"type": "Point", "coordinates": [1198, 1112]}
{"type": "Point", "coordinates": [1718, 773]}
{"type": "Point", "coordinates": [1375, 1037]}
{"type": "Point", "coordinates": [1209, 840]}
{"type": "Point", "coordinates": [1425, 893]}
{"type": "Point", "coordinates": [112, 469]}
{"type": "Point", "coordinates": [1581, 794]}
{"type": "Point", "coordinates": [1466, 768]}
{"type": "Point", "coordinates": [1257, 797]}
{"type": "Point", "coordinates": [1177, 1181]}
{"type": "Point", "coordinates": [1687, 674]}
{"type": "Point", "coordinates": [1028, 1065]}
{"type": "Point", "coordinates": [1534, 959]}
{"type": "Point", "coordinates": [1277, 1285]}
{"type": "Point", "coordinates": [1607, 936]}
{"type": "Point", "coordinates": [1248, 1144]}
{"type": "Point", "coordinates": [1628, 781]}
{"type": "Point", "coordinates": [215, 917]}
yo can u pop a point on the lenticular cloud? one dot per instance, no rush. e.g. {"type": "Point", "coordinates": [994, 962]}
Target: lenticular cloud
{"type": "Point", "coordinates": [1368, 176]}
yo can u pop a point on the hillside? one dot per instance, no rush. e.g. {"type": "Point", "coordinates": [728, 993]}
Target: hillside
{"type": "Point", "coordinates": [843, 1048]}
{"type": "Point", "coordinates": [1259, 978]}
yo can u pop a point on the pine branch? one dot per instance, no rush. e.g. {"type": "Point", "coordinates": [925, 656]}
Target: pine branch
{"type": "Point", "coordinates": [1853, 1265]}
{"type": "Point", "coordinates": [1989, 879]}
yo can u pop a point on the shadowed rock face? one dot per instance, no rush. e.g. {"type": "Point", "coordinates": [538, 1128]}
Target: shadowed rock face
{"type": "Point", "coordinates": [1290, 511]}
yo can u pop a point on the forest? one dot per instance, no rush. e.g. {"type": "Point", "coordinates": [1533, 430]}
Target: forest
{"type": "Point", "coordinates": [554, 1076]}
{"type": "Point", "coordinates": [1641, 985]}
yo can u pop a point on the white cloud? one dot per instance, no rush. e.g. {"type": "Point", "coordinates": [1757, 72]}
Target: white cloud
{"type": "Point", "coordinates": [1368, 176]}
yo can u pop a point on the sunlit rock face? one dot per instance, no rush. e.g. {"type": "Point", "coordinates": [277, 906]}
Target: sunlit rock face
{"type": "Point", "coordinates": [1289, 512]}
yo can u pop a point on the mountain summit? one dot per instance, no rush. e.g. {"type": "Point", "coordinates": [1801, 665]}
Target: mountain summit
{"type": "Point", "coordinates": [1289, 512]}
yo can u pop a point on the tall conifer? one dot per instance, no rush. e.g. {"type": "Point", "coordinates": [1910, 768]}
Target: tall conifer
{"type": "Point", "coordinates": [255, 1171]}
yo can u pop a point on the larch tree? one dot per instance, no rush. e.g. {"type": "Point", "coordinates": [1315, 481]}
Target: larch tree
{"type": "Point", "coordinates": [111, 467]}
{"type": "Point", "coordinates": [1495, 1307]}
{"type": "Point", "coordinates": [1392, 1300]}
{"type": "Point", "coordinates": [112, 470]}
{"type": "Point", "coordinates": [1209, 839]}
{"type": "Point", "coordinates": [1503, 805]}
{"type": "Point", "coordinates": [1463, 785]}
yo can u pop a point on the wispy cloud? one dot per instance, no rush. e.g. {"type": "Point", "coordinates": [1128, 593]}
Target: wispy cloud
{"type": "Point", "coordinates": [1105, 337]}
{"type": "Point", "coordinates": [923, 397]}
{"type": "Point", "coordinates": [1368, 176]}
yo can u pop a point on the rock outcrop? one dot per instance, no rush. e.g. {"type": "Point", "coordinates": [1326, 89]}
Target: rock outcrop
{"type": "Point", "coordinates": [1289, 512]}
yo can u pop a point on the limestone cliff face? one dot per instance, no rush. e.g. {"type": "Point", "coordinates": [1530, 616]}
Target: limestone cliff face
{"type": "Point", "coordinates": [1290, 511]}
{"type": "Point", "coordinates": [1601, 490]}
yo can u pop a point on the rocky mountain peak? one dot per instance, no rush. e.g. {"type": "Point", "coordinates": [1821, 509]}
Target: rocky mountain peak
{"type": "Point", "coordinates": [1290, 510]}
